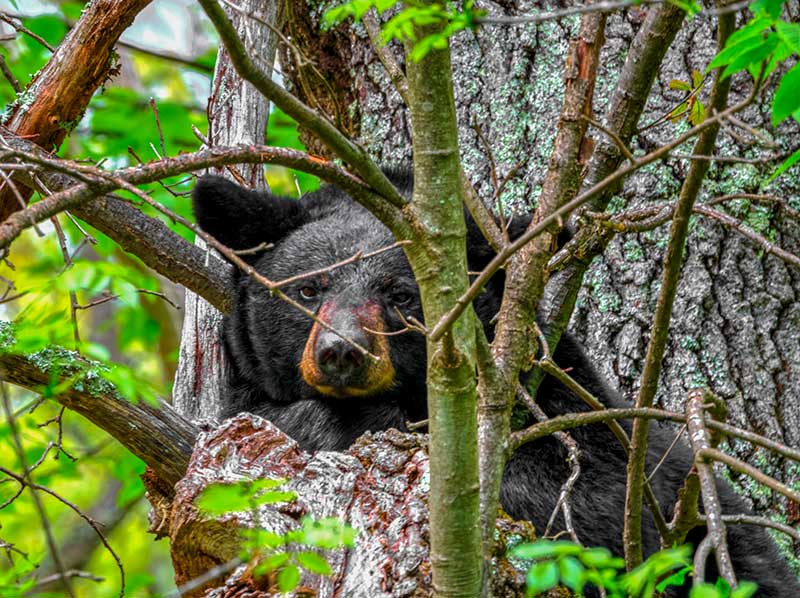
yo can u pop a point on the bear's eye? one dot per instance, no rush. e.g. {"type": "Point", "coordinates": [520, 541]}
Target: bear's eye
{"type": "Point", "coordinates": [308, 292]}
{"type": "Point", "coordinates": [401, 297]}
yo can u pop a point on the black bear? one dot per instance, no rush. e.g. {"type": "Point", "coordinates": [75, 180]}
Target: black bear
{"type": "Point", "coordinates": [321, 391]}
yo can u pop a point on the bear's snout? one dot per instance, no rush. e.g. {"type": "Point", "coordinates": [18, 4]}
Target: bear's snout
{"type": "Point", "coordinates": [347, 355]}
{"type": "Point", "coordinates": [340, 356]}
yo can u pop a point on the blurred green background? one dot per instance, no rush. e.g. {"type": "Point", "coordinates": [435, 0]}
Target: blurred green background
{"type": "Point", "coordinates": [139, 331]}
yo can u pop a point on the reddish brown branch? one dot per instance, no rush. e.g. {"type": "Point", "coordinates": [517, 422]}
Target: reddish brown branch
{"type": "Point", "coordinates": [61, 90]}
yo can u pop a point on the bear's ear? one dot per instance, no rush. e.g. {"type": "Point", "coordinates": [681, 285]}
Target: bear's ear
{"type": "Point", "coordinates": [241, 218]}
{"type": "Point", "coordinates": [479, 252]}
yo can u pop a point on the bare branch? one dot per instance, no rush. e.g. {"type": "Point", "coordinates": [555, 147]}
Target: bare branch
{"type": "Point", "coordinates": [716, 538]}
{"type": "Point", "coordinates": [351, 153]}
{"type": "Point", "coordinates": [557, 15]}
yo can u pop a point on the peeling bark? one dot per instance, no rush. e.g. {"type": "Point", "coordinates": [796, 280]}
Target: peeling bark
{"type": "Point", "coordinates": [237, 114]}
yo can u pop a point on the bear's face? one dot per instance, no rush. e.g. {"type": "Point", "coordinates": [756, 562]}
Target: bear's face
{"type": "Point", "coordinates": [363, 304]}
{"type": "Point", "coordinates": [359, 347]}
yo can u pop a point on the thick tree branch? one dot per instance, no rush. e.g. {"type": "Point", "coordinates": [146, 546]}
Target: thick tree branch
{"type": "Point", "coordinates": [627, 103]}
{"type": "Point", "coordinates": [155, 434]}
{"type": "Point", "coordinates": [527, 273]}
{"type": "Point", "coordinates": [96, 182]}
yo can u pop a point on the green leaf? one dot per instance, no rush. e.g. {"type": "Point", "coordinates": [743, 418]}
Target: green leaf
{"type": "Point", "coordinates": [311, 561]}
{"type": "Point", "coordinates": [698, 113]}
{"type": "Point", "coordinates": [752, 29]}
{"type": "Point", "coordinates": [680, 85]}
{"type": "Point", "coordinates": [678, 112]}
{"type": "Point", "coordinates": [599, 558]}
{"type": "Point", "coordinates": [790, 34]}
{"type": "Point", "coordinates": [676, 579]}
{"type": "Point", "coordinates": [787, 164]}
{"type": "Point", "coordinates": [259, 539]}
{"type": "Point", "coordinates": [546, 549]}
{"type": "Point", "coordinates": [572, 573]}
{"type": "Point", "coordinates": [787, 97]}
{"type": "Point", "coordinates": [705, 591]}
{"type": "Point", "coordinates": [745, 589]}
{"type": "Point", "coordinates": [697, 78]}
{"type": "Point", "coordinates": [753, 56]}
{"type": "Point", "coordinates": [327, 533]}
{"type": "Point", "coordinates": [734, 49]}
{"type": "Point", "coordinates": [768, 7]}
{"type": "Point", "coordinates": [271, 563]}
{"type": "Point", "coordinates": [268, 498]}
{"type": "Point", "coordinates": [218, 499]}
{"type": "Point", "coordinates": [288, 578]}
{"type": "Point", "coordinates": [542, 577]}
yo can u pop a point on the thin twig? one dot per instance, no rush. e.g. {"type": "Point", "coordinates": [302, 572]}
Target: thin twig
{"type": "Point", "coordinates": [22, 29]}
{"type": "Point", "coordinates": [573, 459]}
{"type": "Point", "coordinates": [614, 137]}
{"type": "Point", "coordinates": [396, 74]}
{"type": "Point", "coordinates": [560, 214]}
{"type": "Point", "coordinates": [716, 535]}
{"type": "Point", "coordinates": [557, 15]}
{"type": "Point", "coordinates": [749, 470]}
{"type": "Point", "coordinates": [158, 126]}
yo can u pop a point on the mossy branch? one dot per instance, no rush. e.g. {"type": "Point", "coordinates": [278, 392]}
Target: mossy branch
{"type": "Point", "coordinates": [159, 436]}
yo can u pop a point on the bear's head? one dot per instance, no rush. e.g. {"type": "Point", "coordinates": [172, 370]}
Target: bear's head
{"type": "Point", "coordinates": [359, 347]}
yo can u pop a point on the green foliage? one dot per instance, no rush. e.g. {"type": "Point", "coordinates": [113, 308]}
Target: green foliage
{"type": "Point", "coordinates": [282, 132]}
{"type": "Point", "coordinates": [450, 17]}
{"type": "Point", "coordinates": [281, 555]}
{"type": "Point", "coordinates": [219, 499]}
{"type": "Point", "coordinates": [571, 565]}
{"type": "Point", "coordinates": [759, 47]}
{"type": "Point", "coordinates": [721, 589]}
{"type": "Point", "coordinates": [692, 107]}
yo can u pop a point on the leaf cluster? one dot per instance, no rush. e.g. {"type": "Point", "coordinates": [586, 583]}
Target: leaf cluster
{"type": "Point", "coordinates": [763, 44]}
{"type": "Point", "coordinates": [451, 18]}
{"type": "Point", "coordinates": [280, 555]}
{"type": "Point", "coordinates": [574, 566]}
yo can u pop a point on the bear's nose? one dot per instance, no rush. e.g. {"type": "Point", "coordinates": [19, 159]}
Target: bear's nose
{"type": "Point", "coordinates": [337, 358]}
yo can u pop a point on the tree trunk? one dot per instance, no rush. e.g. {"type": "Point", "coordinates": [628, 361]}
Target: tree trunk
{"type": "Point", "coordinates": [238, 114]}
{"type": "Point", "coordinates": [736, 307]}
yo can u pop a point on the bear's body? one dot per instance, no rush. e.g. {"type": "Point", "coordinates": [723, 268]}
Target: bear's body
{"type": "Point", "coordinates": [324, 393]}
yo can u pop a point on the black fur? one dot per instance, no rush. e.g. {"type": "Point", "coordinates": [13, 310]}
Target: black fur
{"type": "Point", "coordinates": [265, 339]}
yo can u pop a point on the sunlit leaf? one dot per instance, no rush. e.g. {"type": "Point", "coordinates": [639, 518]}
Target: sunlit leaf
{"type": "Point", "coordinates": [541, 577]}
{"type": "Point", "coordinates": [288, 578]}
{"type": "Point", "coordinates": [787, 97]}
{"type": "Point", "coordinates": [680, 85]}
{"type": "Point", "coordinates": [314, 563]}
